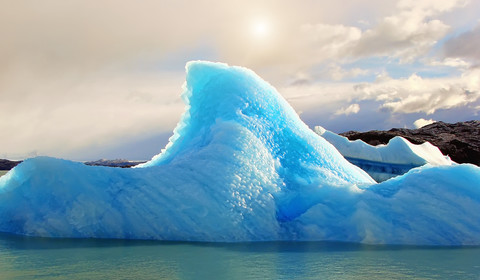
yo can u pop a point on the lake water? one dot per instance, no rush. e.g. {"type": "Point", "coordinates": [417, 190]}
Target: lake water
{"type": "Point", "coordinates": [41, 258]}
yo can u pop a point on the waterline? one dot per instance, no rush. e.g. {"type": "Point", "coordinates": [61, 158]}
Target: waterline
{"type": "Point", "coordinates": [41, 258]}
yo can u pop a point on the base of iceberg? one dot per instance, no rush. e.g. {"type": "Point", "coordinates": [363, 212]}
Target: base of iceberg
{"type": "Point", "coordinates": [241, 166]}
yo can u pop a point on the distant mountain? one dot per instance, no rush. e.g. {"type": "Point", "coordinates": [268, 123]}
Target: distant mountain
{"type": "Point", "coordinates": [460, 141]}
{"type": "Point", "coordinates": [6, 164]}
{"type": "Point", "coordinates": [123, 163]}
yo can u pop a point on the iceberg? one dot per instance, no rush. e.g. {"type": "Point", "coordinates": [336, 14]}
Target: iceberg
{"type": "Point", "coordinates": [241, 166]}
{"type": "Point", "coordinates": [383, 162]}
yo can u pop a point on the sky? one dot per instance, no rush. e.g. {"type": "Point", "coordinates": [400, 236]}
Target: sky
{"type": "Point", "coordinates": [84, 80]}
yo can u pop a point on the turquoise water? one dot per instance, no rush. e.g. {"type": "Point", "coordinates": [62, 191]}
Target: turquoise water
{"type": "Point", "coordinates": [40, 258]}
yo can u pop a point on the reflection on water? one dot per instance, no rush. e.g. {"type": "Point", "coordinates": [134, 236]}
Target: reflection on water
{"type": "Point", "coordinates": [40, 258]}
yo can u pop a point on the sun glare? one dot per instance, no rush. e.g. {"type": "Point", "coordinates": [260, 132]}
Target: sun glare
{"type": "Point", "coordinates": [260, 28]}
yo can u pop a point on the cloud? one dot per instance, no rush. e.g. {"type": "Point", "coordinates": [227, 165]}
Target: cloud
{"type": "Point", "coordinates": [328, 97]}
{"type": "Point", "coordinates": [335, 72]}
{"type": "Point", "coordinates": [394, 97]}
{"type": "Point", "coordinates": [80, 36]}
{"type": "Point", "coordinates": [57, 117]}
{"type": "Point", "coordinates": [422, 122]}
{"type": "Point", "coordinates": [107, 71]}
{"type": "Point", "coordinates": [451, 62]}
{"type": "Point", "coordinates": [407, 35]}
{"type": "Point", "coordinates": [330, 41]}
{"type": "Point", "coordinates": [419, 95]}
{"type": "Point", "coordinates": [465, 45]}
{"type": "Point", "coordinates": [352, 109]}
{"type": "Point", "coordinates": [410, 33]}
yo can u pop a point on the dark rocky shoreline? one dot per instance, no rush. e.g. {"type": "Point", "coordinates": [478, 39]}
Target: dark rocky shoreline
{"type": "Point", "coordinates": [122, 163]}
{"type": "Point", "coordinates": [6, 164]}
{"type": "Point", "coordinates": [460, 141]}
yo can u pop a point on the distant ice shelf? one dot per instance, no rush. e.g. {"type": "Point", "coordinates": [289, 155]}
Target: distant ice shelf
{"type": "Point", "coordinates": [241, 166]}
{"type": "Point", "coordinates": [383, 162]}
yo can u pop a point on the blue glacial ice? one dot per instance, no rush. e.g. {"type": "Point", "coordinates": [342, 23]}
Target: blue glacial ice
{"type": "Point", "coordinates": [241, 166]}
{"type": "Point", "coordinates": [383, 162]}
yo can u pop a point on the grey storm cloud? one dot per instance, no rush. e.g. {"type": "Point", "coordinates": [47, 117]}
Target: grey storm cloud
{"type": "Point", "coordinates": [466, 45]}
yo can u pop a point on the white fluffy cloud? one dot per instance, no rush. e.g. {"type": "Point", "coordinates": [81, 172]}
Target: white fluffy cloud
{"type": "Point", "coordinates": [408, 34]}
{"type": "Point", "coordinates": [419, 95]}
{"type": "Point", "coordinates": [412, 95]}
{"type": "Point", "coordinates": [422, 122]}
{"type": "Point", "coordinates": [352, 109]}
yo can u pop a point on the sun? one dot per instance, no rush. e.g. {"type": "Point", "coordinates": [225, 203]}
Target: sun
{"type": "Point", "coordinates": [260, 28]}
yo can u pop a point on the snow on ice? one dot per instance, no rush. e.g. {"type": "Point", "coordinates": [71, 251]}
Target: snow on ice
{"type": "Point", "coordinates": [383, 162]}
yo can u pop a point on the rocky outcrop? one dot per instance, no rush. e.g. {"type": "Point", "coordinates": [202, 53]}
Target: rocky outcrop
{"type": "Point", "coordinates": [460, 141]}
{"type": "Point", "coordinates": [6, 164]}
{"type": "Point", "coordinates": [123, 163]}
